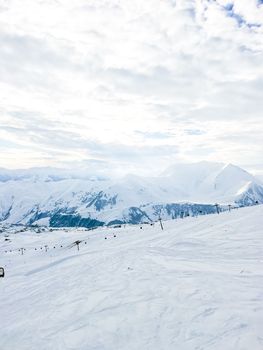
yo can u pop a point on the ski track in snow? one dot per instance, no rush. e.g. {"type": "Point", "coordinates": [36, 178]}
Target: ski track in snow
{"type": "Point", "coordinates": [196, 285]}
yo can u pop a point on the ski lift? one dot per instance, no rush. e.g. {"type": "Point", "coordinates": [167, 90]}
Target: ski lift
{"type": "Point", "coordinates": [2, 272]}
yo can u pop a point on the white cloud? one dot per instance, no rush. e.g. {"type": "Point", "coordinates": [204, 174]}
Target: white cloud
{"type": "Point", "coordinates": [131, 83]}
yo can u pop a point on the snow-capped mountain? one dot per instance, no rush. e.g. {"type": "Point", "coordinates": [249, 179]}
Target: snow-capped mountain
{"type": "Point", "coordinates": [58, 198]}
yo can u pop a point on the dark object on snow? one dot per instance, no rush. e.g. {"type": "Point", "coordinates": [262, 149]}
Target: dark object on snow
{"type": "Point", "coordinates": [2, 272]}
{"type": "Point", "coordinates": [77, 243]}
{"type": "Point", "coordinates": [161, 224]}
{"type": "Point", "coordinates": [22, 250]}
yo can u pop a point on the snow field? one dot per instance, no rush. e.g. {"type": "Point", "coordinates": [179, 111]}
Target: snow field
{"type": "Point", "coordinates": [196, 285]}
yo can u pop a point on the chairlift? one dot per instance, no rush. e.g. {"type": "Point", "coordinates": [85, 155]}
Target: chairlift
{"type": "Point", "coordinates": [2, 272]}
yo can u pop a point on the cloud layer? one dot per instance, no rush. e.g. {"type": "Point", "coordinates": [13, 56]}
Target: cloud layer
{"type": "Point", "coordinates": [133, 85]}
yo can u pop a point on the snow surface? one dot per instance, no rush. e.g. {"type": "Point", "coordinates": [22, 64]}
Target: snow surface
{"type": "Point", "coordinates": [196, 285]}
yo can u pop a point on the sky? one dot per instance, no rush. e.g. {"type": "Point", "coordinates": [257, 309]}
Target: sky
{"type": "Point", "coordinates": [131, 86]}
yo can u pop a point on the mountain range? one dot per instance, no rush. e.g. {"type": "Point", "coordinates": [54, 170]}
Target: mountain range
{"type": "Point", "coordinates": [56, 197]}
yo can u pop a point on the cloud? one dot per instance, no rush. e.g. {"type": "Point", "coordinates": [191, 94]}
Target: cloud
{"type": "Point", "coordinates": [130, 84]}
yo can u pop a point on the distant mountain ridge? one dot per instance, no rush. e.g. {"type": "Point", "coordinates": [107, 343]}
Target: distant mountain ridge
{"type": "Point", "coordinates": [56, 197]}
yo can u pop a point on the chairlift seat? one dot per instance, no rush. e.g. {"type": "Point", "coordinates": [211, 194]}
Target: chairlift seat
{"type": "Point", "coordinates": [2, 272]}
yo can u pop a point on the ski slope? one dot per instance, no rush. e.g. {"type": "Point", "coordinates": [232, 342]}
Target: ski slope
{"type": "Point", "coordinates": [196, 285]}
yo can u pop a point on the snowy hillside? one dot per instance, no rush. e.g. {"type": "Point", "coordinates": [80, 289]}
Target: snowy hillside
{"type": "Point", "coordinates": [195, 285]}
{"type": "Point", "coordinates": [57, 198]}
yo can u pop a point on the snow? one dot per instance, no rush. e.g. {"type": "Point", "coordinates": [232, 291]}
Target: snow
{"type": "Point", "coordinates": [204, 183]}
{"type": "Point", "coordinates": [196, 285]}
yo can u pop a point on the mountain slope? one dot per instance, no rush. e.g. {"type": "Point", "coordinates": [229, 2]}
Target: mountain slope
{"type": "Point", "coordinates": [196, 285]}
{"type": "Point", "coordinates": [187, 189]}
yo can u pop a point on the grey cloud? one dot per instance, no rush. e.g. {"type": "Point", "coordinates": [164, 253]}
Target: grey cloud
{"type": "Point", "coordinates": [170, 64]}
{"type": "Point", "coordinates": [28, 61]}
{"type": "Point", "coordinates": [45, 135]}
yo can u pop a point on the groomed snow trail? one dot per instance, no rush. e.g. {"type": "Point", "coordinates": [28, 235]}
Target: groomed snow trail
{"type": "Point", "coordinates": [196, 285]}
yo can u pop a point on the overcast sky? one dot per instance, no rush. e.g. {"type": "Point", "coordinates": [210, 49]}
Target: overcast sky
{"type": "Point", "coordinates": [131, 85]}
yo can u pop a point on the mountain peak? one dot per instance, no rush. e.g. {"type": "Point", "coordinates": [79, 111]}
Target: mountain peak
{"type": "Point", "coordinates": [79, 198]}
